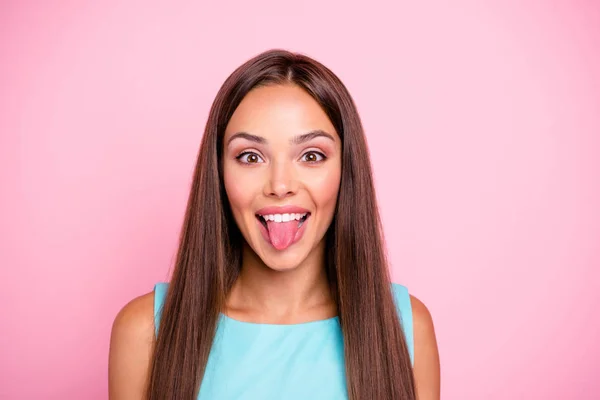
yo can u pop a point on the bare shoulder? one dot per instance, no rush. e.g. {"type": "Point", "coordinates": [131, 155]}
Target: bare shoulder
{"type": "Point", "coordinates": [131, 346]}
{"type": "Point", "coordinates": [427, 360]}
{"type": "Point", "coordinates": [422, 318]}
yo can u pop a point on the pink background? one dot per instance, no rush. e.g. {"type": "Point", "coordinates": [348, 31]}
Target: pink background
{"type": "Point", "coordinates": [484, 128]}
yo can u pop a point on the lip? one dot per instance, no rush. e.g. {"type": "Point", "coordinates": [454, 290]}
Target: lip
{"type": "Point", "coordinates": [289, 209]}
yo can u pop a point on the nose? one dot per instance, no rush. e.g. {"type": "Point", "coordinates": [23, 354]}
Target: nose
{"type": "Point", "coordinates": [282, 180]}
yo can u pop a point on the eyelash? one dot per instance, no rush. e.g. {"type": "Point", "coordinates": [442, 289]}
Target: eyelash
{"type": "Point", "coordinates": [318, 153]}
{"type": "Point", "coordinates": [247, 153]}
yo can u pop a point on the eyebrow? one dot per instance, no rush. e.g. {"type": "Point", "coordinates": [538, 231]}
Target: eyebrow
{"type": "Point", "coordinates": [296, 140]}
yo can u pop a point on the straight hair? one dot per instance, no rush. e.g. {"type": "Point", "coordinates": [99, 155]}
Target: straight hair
{"type": "Point", "coordinates": [209, 257]}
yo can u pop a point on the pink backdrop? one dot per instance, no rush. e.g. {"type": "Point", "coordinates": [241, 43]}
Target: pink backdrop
{"type": "Point", "coordinates": [484, 127]}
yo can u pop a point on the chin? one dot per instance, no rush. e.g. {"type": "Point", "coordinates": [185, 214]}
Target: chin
{"type": "Point", "coordinates": [287, 260]}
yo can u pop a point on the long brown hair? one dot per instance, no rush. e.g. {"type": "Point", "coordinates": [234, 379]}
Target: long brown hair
{"type": "Point", "coordinates": [209, 256]}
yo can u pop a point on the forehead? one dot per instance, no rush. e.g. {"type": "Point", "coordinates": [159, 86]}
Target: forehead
{"type": "Point", "coordinates": [278, 111]}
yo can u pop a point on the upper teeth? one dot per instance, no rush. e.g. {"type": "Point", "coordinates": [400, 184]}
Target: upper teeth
{"type": "Point", "coordinates": [283, 217]}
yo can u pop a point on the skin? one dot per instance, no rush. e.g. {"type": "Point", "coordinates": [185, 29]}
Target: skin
{"type": "Point", "coordinates": [288, 286]}
{"type": "Point", "coordinates": [281, 287]}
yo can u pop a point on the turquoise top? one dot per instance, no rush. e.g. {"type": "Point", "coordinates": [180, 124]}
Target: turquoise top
{"type": "Point", "coordinates": [265, 361]}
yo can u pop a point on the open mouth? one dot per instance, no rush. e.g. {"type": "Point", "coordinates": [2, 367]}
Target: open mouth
{"type": "Point", "coordinates": [280, 229]}
{"type": "Point", "coordinates": [279, 218]}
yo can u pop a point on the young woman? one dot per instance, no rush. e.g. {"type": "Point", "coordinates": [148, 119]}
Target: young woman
{"type": "Point", "coordinates": [281, 287]}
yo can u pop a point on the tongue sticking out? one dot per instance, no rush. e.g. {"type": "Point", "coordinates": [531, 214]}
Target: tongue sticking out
{"type": "Point", "coordinates": [282, 234]}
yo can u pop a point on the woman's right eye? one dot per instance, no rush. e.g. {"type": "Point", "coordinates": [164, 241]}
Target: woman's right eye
{"type": "Point", "coordinates": [249, 157]}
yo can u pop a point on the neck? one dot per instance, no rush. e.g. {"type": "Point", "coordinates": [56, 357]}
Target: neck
{"type": "Point", "coordinates": [270, 294]}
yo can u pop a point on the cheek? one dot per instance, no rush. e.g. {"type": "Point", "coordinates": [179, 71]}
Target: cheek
{"type": "Point", "coordinates": [325, 189]}
{"type": "Point", "coordinates": [239, 191]}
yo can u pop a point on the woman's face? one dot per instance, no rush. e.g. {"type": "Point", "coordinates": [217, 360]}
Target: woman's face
{"type": "Point", "coordinates": [282, 169]}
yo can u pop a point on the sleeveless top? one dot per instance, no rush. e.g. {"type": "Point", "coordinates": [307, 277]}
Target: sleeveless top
{"type": "Point", "coordinates": [254, 361]}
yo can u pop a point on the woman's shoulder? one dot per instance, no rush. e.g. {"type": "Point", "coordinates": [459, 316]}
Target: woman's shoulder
{"type": "Point", "coordinates": [131, 346]}
{"type": "Point", "coordinates": [426, 354]}
{"type": "Point", "coordinates": [420, 313]}
{"type": "Point", "coordinates": [137, 316]}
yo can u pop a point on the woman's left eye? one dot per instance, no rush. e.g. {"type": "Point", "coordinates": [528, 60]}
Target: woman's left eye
{"type": "Point", "coordinates": [313, 156]}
